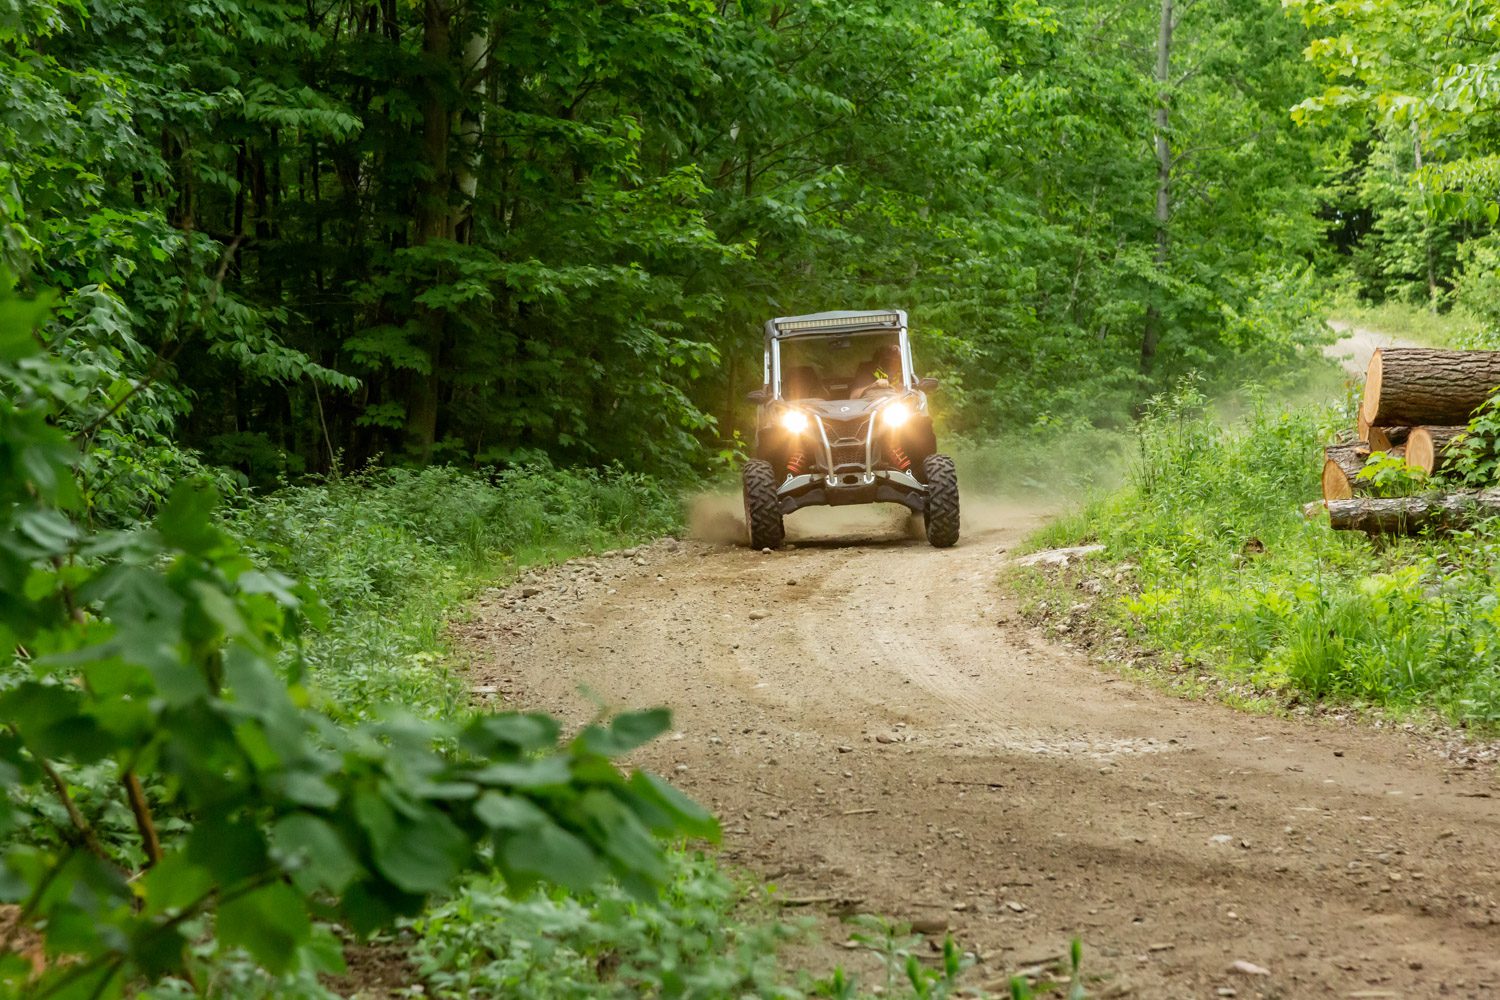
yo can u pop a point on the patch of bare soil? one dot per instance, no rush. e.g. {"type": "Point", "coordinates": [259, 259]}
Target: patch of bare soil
{"type": "Point", "coordinates": [1356, 345]}
{"type": "Point", "coordinates": [871, 720]}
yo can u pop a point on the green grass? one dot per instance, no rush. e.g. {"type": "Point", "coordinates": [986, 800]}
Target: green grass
{"type": "Point", "coordinates": [1229, 575]}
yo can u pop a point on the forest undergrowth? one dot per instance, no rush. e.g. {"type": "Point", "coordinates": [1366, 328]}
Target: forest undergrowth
{"type": "Point", "coordinates": [1208, 558]}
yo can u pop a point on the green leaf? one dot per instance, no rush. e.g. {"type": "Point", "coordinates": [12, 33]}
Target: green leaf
{"type": "Point", "coordinates": [625, 732]}
{"type": "Point", "coordinates": [270, 922]}
{"type": "Point", "coordinates": [622, 836]}
{"type": "Point", "coordinates": [667, 811]}
{"type": "Point", "coordinates": [545, 772]}
{"type": "Point", "coordinates": [18, 319]}
{"type": "Point", "coordinates": [492, 734]}
{"type": "Point", "coordinates": [420, 852]}
{"type": "Point", "coordinates": [186, 522]}
{"type": "Point", "coordinates": [424, 856]}
{"type": "Point", "coordinates": [508, 812]}
{"type": "Point", "coordinates": [174, 883]}
{"type": "Point", "coordinates": [551, 853]}
{"type": "Point", "coordinates": [319, 856]}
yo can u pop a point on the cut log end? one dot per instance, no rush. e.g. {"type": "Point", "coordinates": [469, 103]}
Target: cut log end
{"type": "Point", "coordinates": [1341, 463]}
{"type": "Point", "coordinates": [1431, 448]}
{"type": "Point", "coordinates": [1421, 386]}
{"type": "Point", "coordinates": [1337, 484]}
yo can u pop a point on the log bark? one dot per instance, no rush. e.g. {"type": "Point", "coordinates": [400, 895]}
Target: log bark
{"type": "Point", "coordinates": [1408, 386]}
{"type": "Point", "coordinates": [1410, 515]}
{"type": "Point", "coordinates": [1430, 448]}
{"type": "Point", "coordinates": [1341, 463]}
{"type": "Point", "coordinates": [1386, 438]}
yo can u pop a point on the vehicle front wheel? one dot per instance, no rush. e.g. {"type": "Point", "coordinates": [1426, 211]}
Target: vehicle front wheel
{"type": "Point", "coordinates": [941, 515]}
{"type": "Point", "coordinates": [762, 507]}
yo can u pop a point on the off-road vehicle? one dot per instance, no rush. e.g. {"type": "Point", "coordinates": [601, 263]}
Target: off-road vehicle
{"type": "Point", "coordinates": [843, 420]}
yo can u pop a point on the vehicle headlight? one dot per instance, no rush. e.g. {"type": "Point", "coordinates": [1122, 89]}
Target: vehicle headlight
{"type": "Point", "coordinates": [794, 421]}
{"type": "Point", "coordinates": [897, 413]}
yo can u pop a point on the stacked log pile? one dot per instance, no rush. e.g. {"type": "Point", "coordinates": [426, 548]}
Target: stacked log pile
{"type": "Point", "coordinates": [1416, 403]}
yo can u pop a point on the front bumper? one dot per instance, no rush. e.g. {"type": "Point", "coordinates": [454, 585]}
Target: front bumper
{"type": "Point", "coordinates": [846, 488]}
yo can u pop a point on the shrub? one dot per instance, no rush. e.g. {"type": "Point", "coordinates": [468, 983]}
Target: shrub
{"type": "Point", "coordinates": [1230, 573]}
{"type": "Point", "coordinates": [393, 552]}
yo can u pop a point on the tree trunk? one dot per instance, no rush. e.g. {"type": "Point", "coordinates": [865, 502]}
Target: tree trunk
{"type": "Point", "coordinates": [433, 221]}
{"type": "Point", "coordinates": [1151, 337]}
{"type": "Point", "coordinates": [1341, 463]}
{"type": "Point", "coordinates": [1386, 438]}
{"type": "Point", "coordinates": [1410, 515]}
{"type": "Point", "coordinates": [1430, 448]}
{"type": "Point", "coordinates": [1419, 385]}
{"type": "Point", "coordinates": [466, 172]}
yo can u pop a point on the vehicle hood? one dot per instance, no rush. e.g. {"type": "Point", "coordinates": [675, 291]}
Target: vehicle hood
{"type": "Point", "coordinates": [840, 409]}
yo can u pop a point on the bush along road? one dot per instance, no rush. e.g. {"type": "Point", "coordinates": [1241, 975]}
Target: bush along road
{"type": "Point", "coordinates": [879, 731]}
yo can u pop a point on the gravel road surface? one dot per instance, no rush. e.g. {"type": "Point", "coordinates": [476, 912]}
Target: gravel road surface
{"type": "Point", "coordinates": [874, 724]}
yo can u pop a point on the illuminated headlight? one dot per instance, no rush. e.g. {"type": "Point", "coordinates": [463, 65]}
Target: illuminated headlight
{"type": "Point", "coordinates": [896, 414]}
{"type": "Point", "coordinates": [794, 421]}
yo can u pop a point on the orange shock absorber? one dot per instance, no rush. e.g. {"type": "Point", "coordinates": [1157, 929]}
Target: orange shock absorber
{"type": "Point", "coordinates": [794, 464]}
{"type": "Point", "coordinates": [898, 456]}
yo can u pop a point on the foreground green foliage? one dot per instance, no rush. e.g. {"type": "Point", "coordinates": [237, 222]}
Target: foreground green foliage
{"type": "Point", "coordinates": [166, 772]}
{"type": "Point", "coordinates": [696, 940]}
{"type": "Point", "coordinates": [1229, 575]}
{"type": "Point", "coordinates": [704, 937]}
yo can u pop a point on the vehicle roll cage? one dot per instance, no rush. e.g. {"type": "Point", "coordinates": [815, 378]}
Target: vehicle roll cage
{"type": "Point", "coordinates": [826, 324]}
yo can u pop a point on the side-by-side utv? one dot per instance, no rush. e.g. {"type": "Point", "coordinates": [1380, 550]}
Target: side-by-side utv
{"type": "Point", "coordinates": [843, 419]}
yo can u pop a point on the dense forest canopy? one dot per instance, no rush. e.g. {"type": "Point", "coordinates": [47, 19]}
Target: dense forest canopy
{"type": "Point", "coordinates": [1412, 86]}
{"type": "Point", "coordinates": [304, 236]}
{"type": "Point", "coordinates": [471, 230]}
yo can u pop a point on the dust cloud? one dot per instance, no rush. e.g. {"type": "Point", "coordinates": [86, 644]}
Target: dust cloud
{"type": "Point", "coordinates": [719, 518]}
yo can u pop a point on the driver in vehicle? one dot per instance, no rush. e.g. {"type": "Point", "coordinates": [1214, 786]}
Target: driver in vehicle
{"type": "Point", "coordinates": [882, 371]}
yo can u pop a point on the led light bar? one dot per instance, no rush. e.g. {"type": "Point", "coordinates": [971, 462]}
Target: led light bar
{"type": "Point", "coordinates": [873, 319]}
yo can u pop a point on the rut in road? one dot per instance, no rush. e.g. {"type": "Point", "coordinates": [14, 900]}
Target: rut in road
{"type": "Point", "coordinates": [870, 720]}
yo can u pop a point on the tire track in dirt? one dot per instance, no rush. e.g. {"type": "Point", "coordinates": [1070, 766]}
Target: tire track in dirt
{"type": "Point", "coordinates": [889, 732]}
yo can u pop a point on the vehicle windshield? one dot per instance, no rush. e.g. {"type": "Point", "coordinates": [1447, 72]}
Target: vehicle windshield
{"type": "Point", "coordinates": [839, 367]}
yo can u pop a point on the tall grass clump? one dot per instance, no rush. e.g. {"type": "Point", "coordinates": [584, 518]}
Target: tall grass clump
{"type": "Point", "coordinates": [1228, 573]}
{"type": "Point", "coordinates": [393, 552]}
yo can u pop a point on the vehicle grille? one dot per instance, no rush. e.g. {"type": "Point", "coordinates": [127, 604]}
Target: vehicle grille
{"type": "Point", "coordinates": [847, 455]}
{"type": "Point", "coordinates": [847, 439]}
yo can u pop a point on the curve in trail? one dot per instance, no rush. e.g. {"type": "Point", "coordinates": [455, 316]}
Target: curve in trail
{"type": "Point", "coordinates": [1356, 345]}
{"type": "Point", "coordinates": [871, 721]}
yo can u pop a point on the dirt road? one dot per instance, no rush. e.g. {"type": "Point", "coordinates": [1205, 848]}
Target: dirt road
{"type": "Point", "coordinates": [871, 721]}
{"type": "Point", "coordinates": [1356, 344]}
